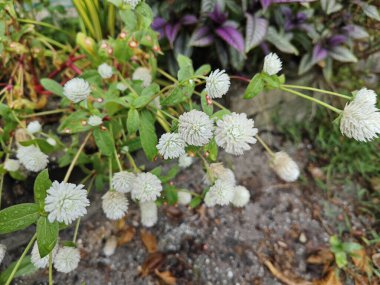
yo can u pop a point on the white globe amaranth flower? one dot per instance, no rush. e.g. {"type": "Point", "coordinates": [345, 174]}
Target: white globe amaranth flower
{"type": "Point", "coordinates": [32, 158]}
{"type": "Point", "coordinates": [105, 71]}
{"type": "Point", "coordinates": [146, 187]}
{"type": "Point", "coordinates": [66, 202]}
{"type": "Point", "coordinates": [3, 250]}
{"type": "Point", "coordinates": [115, 205]}
{"type": "Point", "coordinates": [76, 89]}
{"type": "Point", "coordinates": [41, 262]}
{"type": "Point", "coordinates": [132, 3]}
{"type": "Point", "coordinates": [221, 193]}
{"type": "Point", "coordinates": [217, 171]}
{"type": "Point", "coordinates": [184, 197]}
{"type": "Point", "coordinates": [66, 259]}
{"type": "Point", "coordinates": [285, 167]}
{"type": "Point", "coordinates": [195, 127]}
{"type": "Point", "coordinates": [123, 181]}
{"type": "Point", "coordinates": [51, 141]}
{"type": "Point", "coordinates": [95, 120]}
{"type": "Point", "coordinates": [235, 132]}
{"type": "Point", "coordinates": [34, 127]}
{"type": "Point", "coordinates": [11, 165]}
{"type": "Point", "coordinates": [171, 145]}
{"type": "Point", "coordinates": [360, 118]}
{"type": "Point", "coordinates": [143, 74]}
{"type": "Point", "coordinates": [121, 86]}
{"type": "Point", "coordinates": [241, 196]}
{"type": "Point", "coordinates": [149, 214]}
{"type": "Point", "coordinates": [185, 161]}
{"type": "Point", "coordinates": [272, 64]}
{"type": "Point", "coordinates": [217, 83]}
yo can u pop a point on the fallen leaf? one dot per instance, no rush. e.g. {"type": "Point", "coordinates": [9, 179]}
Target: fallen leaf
{"type": "Point", "coordinates": [166, 276]}
{"type": "Point", "coordinates": [149, 241]}
{"type": "Point", "coordinates": [322, 256]}
{"type": "Point", "coordinates": [173, 212]}
{"type": "Point", "coordinates": [361, 261]}
{"type": "Point", "coordinates": [125, 236]}
{"type": "Point", "coordinates": [280, 276]}
{"type": "Point", "coordinates": [376, 259]}
{"type": "Point", "coordinates": [152, 263]}
{"type": "Point", "coordinates": [332, 278]}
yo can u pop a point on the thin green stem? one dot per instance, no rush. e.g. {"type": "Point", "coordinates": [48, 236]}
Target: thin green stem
{"type": "Point", "coordinates": [213, 101]}
{"type": "Point", "coordinates": [10, 278]}
{"type": "Point", "coordinates": [45, 113]}
{"type": "Point", "coordinates": [312, 99]}
{"type": "Point", "coordinates": [266, 147]}
{"type": "Point", "coordinates": [128, 85]}
{"type": "Point", "coordinates": [132, 162]}
{"type": "Point", "coordinates": [317, 90]}
{"type": "Point", "coordinates": [50, 268]}
{"type": "Point", "coordinates": [167, 75]}
{"type": "Point", "coordinates": [118, 160]}
{"type": "Point", "coordinates": [163, 122]}
{"type": "Point", "coordinates": [47, 25]}
{"type": "Point", "coordinates": [2, 175]}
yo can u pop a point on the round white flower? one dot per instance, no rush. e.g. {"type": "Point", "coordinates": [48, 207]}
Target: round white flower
{"type": "Point", "coordinates": [3, 250]}
{"type": "Point", "coordinates": [146, 187]}
{"type": "Point", "coordinates": [51, 141]}
{"type": "Point", "coordinates": [143, 74]}
{"type": "Point", "coordinates": [217, 83]}
{"type": "Point", "coordinates": [115, 205]}
{"type": "Point", "coordinates": [132, 3]}
{"type": "Point", "coordinates": [171, 145]}
{"type": "Point", "coordinates": [121, 86]}
{"type": "Point", "coordinates": [32, 158]}
{"type": "Point", "coordinates": [95, 121]}
{"type": "Point", "coordinates": [149, 214]}
{"type": "Point", "coordinates": [195, 127]}
{"type": "Point", "coordinates": [67, 259]}
{"type": "Point", "coordinates": [360, 118]}
{"type": "Point", "coordinates": [272, 64]}
{"type": "Point", "coordinates": [11, 165]}
{"type": "Point", "coordinates": [241, 196]}
{"type": "Point", "coordinates": [66, 202]}
{"type": "Point", "coordinates": [76, 89]}
{"type": "Point", "coordinates": [185, 161]}
{"type": "Point", "coordinates": [216, 171]}
{"type": "Point", "coordinates": [184, 197]}
{"type": "Point", "coordinates": [105, 71]}
{"type": "Point", "coordinates": [41, 262]}
{"type": "Point", "coordinates": [221, 193]}
{"type": "Point", "coordinates": [285, 167]}
{"type": "Point", "coordinates": [34, 127]}
{"type": "Point", "coordinates": [123, 181]}
{"type": "Point", "coordinates": [235, 132]}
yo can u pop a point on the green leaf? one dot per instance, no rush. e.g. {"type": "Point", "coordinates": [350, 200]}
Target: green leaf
{"type": "Point", "coordinates": [26, 267]}
{"type": "Point", "coordinates": [104, 141]}
{"type": "Point", "coordinates": [195, 202]}
{"type": "Point", "coordinates": [272, 81]}
{"type": "Point", "coordinates": [207, 108]}
{"type": "Point", "coordinates": [41, 185]}
{"type": "Point", "coordinates": [52, 86]}
{"type": "Point", "coordinates": [148, 134]}
{"type": "Point", "coordinates": [178, 95]}
{"type": "Point", "coordinates": [18, 217]}
{"type": "Point", "coordinates": [186, 70]}
{"type": "Point", "coordinates": [255, 86]}
{"type": "Point", "coordinates": [172, 173]}
{"type": "Point", "coordinates": [351, 247]}
{"type": "Point", "coordinates": [133, 120]}
{"type": "Point", "coordinates": [341, 259]}
{"type": "Point", "coordinates": [42, 144]}
{"type": "Point", "coordinates": [74, 123]}
{"type": "Point", "coordinates": [156, 171]}
{"type": "Point", "coordinates": [203, 70]}
{"type": "Point", "coordinates": [47, 235]}
{"type": "Point", "coordinates": [212, 149]}
{"type": "Point", "coordinates": [129, 18]}
{"type": "Point", "coordinates": [220, 114]}
{"type": "Point", "coordinates": [171, 195]}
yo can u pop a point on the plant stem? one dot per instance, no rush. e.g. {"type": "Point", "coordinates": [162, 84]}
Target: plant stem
{"type": "Point", "coordinates": [128, 85]}
{"type": "Point", "coordinates": [317, 90]}
{"type": "Point", "coordinates": [241, 78]}
{"type": "Point", "coordinates": [118, 161]}
{"type": "Point", "coordinates": [266, 147]}
{"type": "Point", "coordinates": [312, 99]}
{"type": "Point", "coordinates": [132, 162]}
{"type": "Point", "coordinates": [45, 113]}
{"type": "Point", "coordinates": [10, 278]}
{"type": "Point", "coordinates": [71, 167]}
{"type": "Point", "coordinates": [50, 269]}
{"type": "Point", "coordinates": [167, 75]}
{"type": "Point", "coordinates": [213, 101]}
{"type": "Point", "coordinates": [44, 25]}
{"type": "Point", "coordinates": [163, 122]}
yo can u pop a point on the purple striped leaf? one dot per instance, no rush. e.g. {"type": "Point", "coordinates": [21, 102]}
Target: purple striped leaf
{"type": "Point", "coordinates": [256, 30]}
{"type": "Point", "coordinates": [232, 36]}
{"type": "Point", "coordinates": [201, 37]}
{"type": "Point", "coordinates": [319, 53]}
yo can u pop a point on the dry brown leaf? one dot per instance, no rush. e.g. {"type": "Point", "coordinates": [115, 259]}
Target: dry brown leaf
{"type": "Point", "coordinates": [323, 256]}
{"type": "Point", "coordinates": [280, 276]}
{"type": "Point", "coordinates": [361, 261]}
{"type": "Point", "coordinates": [332, 278]}
{"type": "Point", "coordinates": [152, 263]}
{"type": "Point", "coordinates": [166, 276]}
{"type": "Point", "coordinates": [149, 241]}
{"type": "Point", "coordinates": [173, 212]}
{"type": "Point", "coordinates": [125, 236]}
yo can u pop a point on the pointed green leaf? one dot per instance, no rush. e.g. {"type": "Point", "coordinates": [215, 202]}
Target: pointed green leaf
{"type": "Point", "coordinates": [47, 235]}
{"type": "Point", "coordinates": [255, 86]}
{"type": "Point", "coordinates": [104, 141]}
{"type": "Point", "coordinates": [41, 185]}
{"type": "Point", "coordinates": [148, 134]}
{"type": "Point", "coordinates": [52, 86]}
{"type": "Point", "coordinates": [133, 121]}
{"type": "Point", "coordinates": [18, 217]}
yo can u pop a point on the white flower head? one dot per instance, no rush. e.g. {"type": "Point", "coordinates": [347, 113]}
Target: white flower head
{"type": "Point", "coordinates": [217, 83]}
{"type": "Point", "coordinates": [171, 145]}
{"type": "Point", "coordinates": [42, 262]}
{"type": "Point", "coordinates": [143, 74]}
{"type": "Point", "coordinates": [121, 86]}
{"type": "Point", "coordinates": [105, 71]}
{"type": "Point", "coordinates": [185, 161]}
{"type": "Point", "coordinates": [221, 193]}
{"type": "Point", "coordinates": [149, 215]}
{"type": "Point", "coordinates": [241, 196]}
{"type": "Point", "coordinates": [32, 158]}
{"type": "Point", "coordinates": [123, 181]}
{"type": "Point", "coordinates": [272, 64]}
{"type": "Point", "coordinates": [67, 259]}
{"type": "Point", "coordinates": [95, 120]}
{"type": "Point", "coordinates": [132, 3]}
{"type": "Point", "coordinates": [195, 127]}
{"type": "Point", "coordinates": [235, 132]}
{"type": "Point", "coordinates": [51, 141]}
{"type": "Point", "coordinates": [76, 89]}
{"type": "Point", "coordinates": [184, 197]}
{"type": "Point", "coordinates": [3, 250]}
{"type": "Point", "coordinates": [34, 127]}
{"type": "Point", "coordinates": [285, 167]}
{"type": "Point", "coordinates": [66, 202]}
{"type": "Point", "coordinates": [11, 165]}
{"type": "Point", "coordinates": [115, 205]}
{"type": "Point", "coordinates": [360, 118]}
{"type": "Point", "coordinates": [146, 187]}
{"type": "Point", "coordinates": [216, 171]}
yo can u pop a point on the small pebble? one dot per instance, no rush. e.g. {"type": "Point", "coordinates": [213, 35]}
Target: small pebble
{"type": "Point", "coordinates": [110, 246]}
{"type": "Point", "coordinates": [302, 238]}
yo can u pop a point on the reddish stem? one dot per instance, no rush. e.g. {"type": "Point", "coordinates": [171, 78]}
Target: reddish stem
{"type": "Point", "coordinates": [241, 78]}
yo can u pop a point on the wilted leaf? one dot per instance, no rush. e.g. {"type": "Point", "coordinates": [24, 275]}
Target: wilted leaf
{"type": "Point", "coordinates": [281, 276]}
{"type": "Point", "coordinates": [332, 278]}
{"type": "Point", "coordinates": [126, 236]}
{"type": "Point", "coordinates": [361, 261]}
{"type": "Point", "coordinates": [149, 241]}
{"type": "Point", "coordinates": [166, 276]}
{"type": "Point", "coordinates": [152, 263]}
{"type": "Point", "coordinates": [323, 256]}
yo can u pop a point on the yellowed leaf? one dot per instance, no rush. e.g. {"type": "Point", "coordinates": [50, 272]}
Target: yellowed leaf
{"type": "Point", "coordinates": [125, 236]}
{"type": "Point", "coordinates": [361, 261]}
{"type": "Point", "coordinates": [281, 276]}
{"type": "Point", "coordinates": [149, 241]}
{"type": "Point", "coordinates": [152, 263]}
{"type": "Point", "coordinates": [166, 276]}
{"type": "Point", "coordinates": [332, 278]}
